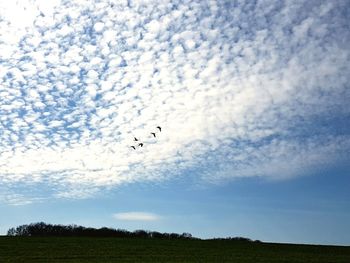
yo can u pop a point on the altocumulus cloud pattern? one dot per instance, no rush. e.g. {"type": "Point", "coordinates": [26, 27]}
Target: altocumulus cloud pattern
{"type": "Point", "coordinates": [240, 88]}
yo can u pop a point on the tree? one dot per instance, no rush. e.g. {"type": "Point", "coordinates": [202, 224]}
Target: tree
{"type": "Point", "coordinates": [11, 231]}
{"type": "Point", "coordinates": [44, 229]}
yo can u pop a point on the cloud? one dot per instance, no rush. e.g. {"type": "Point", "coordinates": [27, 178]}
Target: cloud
{"type": "Point", "coordinates": [240, 90]}
{"type": "Point", "coordinates": [136, 216]}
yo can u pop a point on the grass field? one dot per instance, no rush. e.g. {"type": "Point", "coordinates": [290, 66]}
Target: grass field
{"type": "Point", "coordinates": [69, 249]}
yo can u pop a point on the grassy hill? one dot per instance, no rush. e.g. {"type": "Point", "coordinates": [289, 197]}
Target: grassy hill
{"type": "Point", "coordinates": [102, 250]}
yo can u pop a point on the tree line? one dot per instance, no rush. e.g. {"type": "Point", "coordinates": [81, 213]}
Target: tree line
{"type": "Point", "coordinates": [42, 229]}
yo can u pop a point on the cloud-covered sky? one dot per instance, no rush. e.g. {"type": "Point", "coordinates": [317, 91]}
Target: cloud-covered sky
{"type": "Point", "coordinates": [240, 89]}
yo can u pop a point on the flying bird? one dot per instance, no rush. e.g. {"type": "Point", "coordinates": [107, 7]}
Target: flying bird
{"type": "Point", "coordinates": [135, 139]}
{"type": "Point", "coordinates": [160, 129]}
{"type": "Point", "coordinates": [140, 144]}
{"type": "Point", "coordinates": [154, 134]}
{"type": "Point", "coordinates": [133, 147]}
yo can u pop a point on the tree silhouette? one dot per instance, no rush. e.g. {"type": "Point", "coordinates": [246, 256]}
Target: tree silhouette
{"type": "Point", "coordinates": [44, 230]}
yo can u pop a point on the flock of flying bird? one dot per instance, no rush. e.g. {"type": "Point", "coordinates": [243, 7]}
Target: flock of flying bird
{"type": "Point", "coordinates": [140, 144]}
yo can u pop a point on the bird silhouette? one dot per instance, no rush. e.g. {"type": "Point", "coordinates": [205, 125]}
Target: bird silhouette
{"type": "Point", "coordinates": [154, 134]}
{"type": "Point", "coordinates": [160, 129]}
{"type": "Point", "coordinates": [140, 144]}
{"type": "Point", "coordinates": [133, 147]}
{"type": "Point", "coordinates": [135, 139]}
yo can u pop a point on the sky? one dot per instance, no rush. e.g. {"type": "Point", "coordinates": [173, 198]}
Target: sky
{"type": "Point", "coordinates": [252, 98]}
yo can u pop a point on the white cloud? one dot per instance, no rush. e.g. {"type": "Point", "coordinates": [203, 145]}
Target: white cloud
{"type": "Point", "coordinates": [18, 200]}
{"type": "Point", "coordinates": [237, 94]}
{"type": "Point", "coordinates": [99, 26]}
{"type": "Point", "coordinates": [136, 216]}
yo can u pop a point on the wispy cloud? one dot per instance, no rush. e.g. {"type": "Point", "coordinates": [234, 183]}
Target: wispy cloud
{"type": "Point", "coordinates": [17, 199]}
{"type": "Point", "coordinates": [136, 216]}
{"type": "Point", "coordinates": [239, 89]}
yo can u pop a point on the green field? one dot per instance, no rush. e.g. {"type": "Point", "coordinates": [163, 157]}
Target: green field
{"type": "Point", "coordinates": [71, 249]}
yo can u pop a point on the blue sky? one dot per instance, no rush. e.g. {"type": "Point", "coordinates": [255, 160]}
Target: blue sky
{"type": "Point", "coordinates": [252, 98]}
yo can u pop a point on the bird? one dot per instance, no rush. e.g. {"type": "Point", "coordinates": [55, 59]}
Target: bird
{"type": "Point", "coordinates": [135, 139]}
{"type": "Point", "coordinates": [133, 147]}
{"type": "Point", "coordinates": [140, 144]}
{"type": "Point", "coordinates": [160, 129]}
{"type": "Point", "coordinates": [154, 134]}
